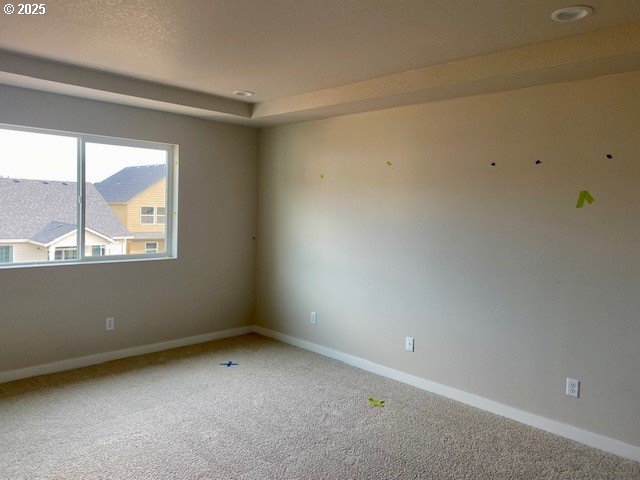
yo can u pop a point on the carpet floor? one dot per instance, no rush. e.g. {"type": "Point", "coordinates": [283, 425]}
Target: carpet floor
{"type": "Point", "coordinates": [281, 413]}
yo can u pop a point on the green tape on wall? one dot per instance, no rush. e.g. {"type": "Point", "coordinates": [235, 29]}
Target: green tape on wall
{"type": "Point", "coordinates": [584, 195]}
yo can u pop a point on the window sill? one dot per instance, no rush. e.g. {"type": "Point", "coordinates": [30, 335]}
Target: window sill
{"type": "Point", "coordinates": [61, 263]}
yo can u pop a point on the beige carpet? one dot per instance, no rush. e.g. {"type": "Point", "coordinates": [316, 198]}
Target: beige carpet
{"type": "Point", "coordinates": [282, 413]}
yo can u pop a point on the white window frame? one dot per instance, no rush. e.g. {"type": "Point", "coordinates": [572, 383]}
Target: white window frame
{"type": "Point", "coordinates": [63, 250]}
{"type": "Point", "coordinates": [171, 198]}
{"type": "Point", "coordinates": [157, 215]}
{"type": "Point", "coordinates": [146, 247]}
{"type": "Point", "coordinates": [152, 215]}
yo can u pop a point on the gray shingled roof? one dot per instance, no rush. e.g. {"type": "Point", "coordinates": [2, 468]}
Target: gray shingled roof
{"type": "Point", "coordinates": [130, 181]}
{"type": "Point", "coordinates": [42, 211]}
{"type": "Point", "coordinates": [51, 231]}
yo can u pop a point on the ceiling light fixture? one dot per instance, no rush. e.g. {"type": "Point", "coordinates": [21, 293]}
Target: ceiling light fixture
{"type": "Point", "coordinates": [571, 14]}
{"type": "Point", "coordinates": [244, 93]}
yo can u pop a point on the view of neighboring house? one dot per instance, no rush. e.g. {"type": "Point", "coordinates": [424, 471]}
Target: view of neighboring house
{"type": "Point", "coordinates": [137, 195]}
{"type": "Point", "coordinates": [38, 221]}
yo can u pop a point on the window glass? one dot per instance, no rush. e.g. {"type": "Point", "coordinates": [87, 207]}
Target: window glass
{"type": "Point", "coordinates": [38, 194]}
{"type": "Point", "coordinates": [70, 196]}
{"type": "Point", "coordinates": [6, 254]}
{"type": "Point", "coordinates": [66, 253]}
{"type": "Point", "coordinates": [161, 216]}
{"type": "Point", "coordinates": [151, 247]}
{"type": "Point", "coordinates": [147, 215]}
{"type": "Point", "coordinates": [132, 184]}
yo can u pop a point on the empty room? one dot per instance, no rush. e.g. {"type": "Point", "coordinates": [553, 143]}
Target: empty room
{"type": "Point", "coordinates": [322, 240]}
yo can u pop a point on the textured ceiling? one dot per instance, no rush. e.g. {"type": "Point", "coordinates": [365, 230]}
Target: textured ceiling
{"type": "Point", "coordinates": [286, 47]}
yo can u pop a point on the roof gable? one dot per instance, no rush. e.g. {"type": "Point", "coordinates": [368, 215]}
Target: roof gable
{"type": "Point", "coordinates": [130, 182]}
{"type": "Point", "coordinates": [51, 231]}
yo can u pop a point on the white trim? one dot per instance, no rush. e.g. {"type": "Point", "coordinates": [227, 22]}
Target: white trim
{"type": "Point", "coordinates": [562, 429]}
{"type": "Point", "coordinates": [81, 219]}
{"type": "Point", "coordinates": [171, 202]}
{"type": "Point", "coordinates": [165, 211]}
{"type": "Point", "coordinates": [568, 431]}
{"type": "Point", "coordinates": [115, 355]}
{"type": "Point", "coordinates": [94, 260]}
{"type": "Point", "coordinates": [108, 239]}
{"type": "Point", "coordinates": [72, 232]}
{"type": "Point", "coordinates": [155, 214]}
{"type": "Point", "coordinates": [155, 249]}
{"type": "Point", "coordinates": [62, 250]}
{"type": "Point", "coordinates": [27, 240]}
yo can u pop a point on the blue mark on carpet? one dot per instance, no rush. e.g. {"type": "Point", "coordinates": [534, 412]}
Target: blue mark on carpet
{"type": "Point", "coordinates": [229, 364]}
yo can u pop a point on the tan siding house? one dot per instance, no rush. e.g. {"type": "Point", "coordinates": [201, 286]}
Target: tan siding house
{"type": "Point", "coordinates": [137, 195]}
{"type": "Point", "coordinates": [152, 197]}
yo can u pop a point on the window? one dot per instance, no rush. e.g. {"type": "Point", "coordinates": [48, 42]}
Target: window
{"type": "Point", "coordinates": [66, 253]}
{"type": "Point", "coordinates": [77, 197]}
{"type": "Point", "coordinates": [6, 254]}
{"type": "Point", "coordinates": [153, 215]}
{"type": "Point", "coordinates": [161, 217]}
{"type": "Point", "coordinates": [147, 215]}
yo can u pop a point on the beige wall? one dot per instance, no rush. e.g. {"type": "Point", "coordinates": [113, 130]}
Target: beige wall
{"type": "Point", "coordinates": [58, 312]}
{"type": "Point", "coordinates": [507, 288]}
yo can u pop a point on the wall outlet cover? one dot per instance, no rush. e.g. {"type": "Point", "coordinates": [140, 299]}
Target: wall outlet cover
{"type": "Point", "coordinates": [573, 387]}
{"type": "Point", "coordinates": [408, 344]}
{"type": "Point", "coordinates": [314, 318]}
{"type": "Point", "coordinates": [110, 323]}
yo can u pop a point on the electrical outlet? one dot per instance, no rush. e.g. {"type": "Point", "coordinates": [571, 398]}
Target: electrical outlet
{"type": "Point", "coordinates": [573, 387]}
{"type": "Point", "coordinates": [110, 323]}
{"type": "Point", "coordinates": [408, 344]}
{"type": "Point", "coordinates": [314, 318]}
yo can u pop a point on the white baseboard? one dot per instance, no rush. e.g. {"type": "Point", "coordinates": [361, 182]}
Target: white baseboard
{"type": "Point", "coordinates": [115, 355]}
{"type": "Point", "coordinates": [568, 431]}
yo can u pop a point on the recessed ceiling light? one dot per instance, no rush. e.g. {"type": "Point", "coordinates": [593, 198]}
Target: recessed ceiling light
{"type": "Point", "coordinates": [571, 14]}
{"type": "Point", "coordinates": [243, 93]}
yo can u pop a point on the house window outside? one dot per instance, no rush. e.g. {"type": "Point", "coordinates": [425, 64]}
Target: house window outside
{"type": "Point", "coordinates": [153, 215]}
{"type": "Point", "coordinates": [6, 254]}
{"type": "Point", "coordinates": [161, 217]}
{"type": "Point", "coordinates": [66, 253]}
{"type": "Point", "coordinates": [151, 247]}
{"type": "Point", "coordinates": [72, 195]}
{"type": "Point", "coordinates": [147, 215]}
